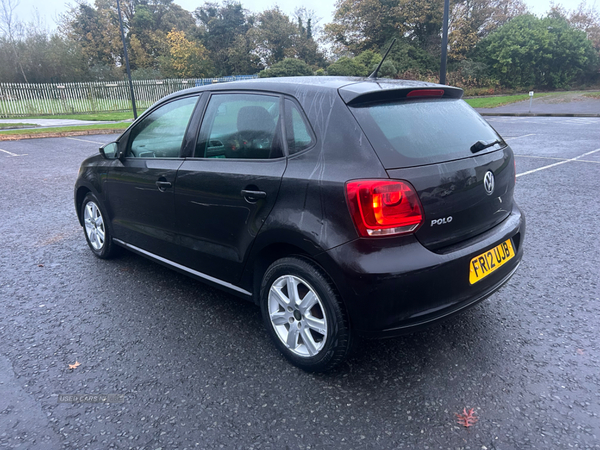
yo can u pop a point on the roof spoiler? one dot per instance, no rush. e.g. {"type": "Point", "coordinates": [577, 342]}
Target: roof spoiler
{"type": "Point", "coordinates": [394, 90]}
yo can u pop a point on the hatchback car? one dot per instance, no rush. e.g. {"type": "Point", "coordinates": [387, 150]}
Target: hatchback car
{"type": "Point", "coordinates": [344, 207]}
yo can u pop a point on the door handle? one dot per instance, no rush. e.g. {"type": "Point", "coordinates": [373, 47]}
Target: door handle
{"type": "Point", "coordinates": [163, 185]}
{"type": "Point", "coordinates": [253, 196]}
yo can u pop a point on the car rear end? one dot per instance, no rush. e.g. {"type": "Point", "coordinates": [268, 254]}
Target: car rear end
{"type": "Point", "coordinates": [443, 232]}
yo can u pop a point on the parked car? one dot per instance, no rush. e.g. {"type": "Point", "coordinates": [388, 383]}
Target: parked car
{"type": "Point", "coordinates": [344, 207]}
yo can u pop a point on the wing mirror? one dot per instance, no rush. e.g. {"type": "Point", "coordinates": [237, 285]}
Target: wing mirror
{"type": "Point", "coordinates": [110, 151]}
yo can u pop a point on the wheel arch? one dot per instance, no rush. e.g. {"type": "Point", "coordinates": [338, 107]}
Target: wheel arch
{"type": "Point", "coordinates": [270, 253]}
{"type": "Point", "coordinates": [267, 256]}
{"type": "Point", "coordinates": [80, 194]}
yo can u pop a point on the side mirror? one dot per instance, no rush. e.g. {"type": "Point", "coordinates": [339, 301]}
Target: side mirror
{"type": "Point", "coordinates": [109, 151]}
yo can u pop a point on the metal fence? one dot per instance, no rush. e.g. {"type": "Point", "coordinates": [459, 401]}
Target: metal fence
{"type": "Point", "coordinates": [24, 99]}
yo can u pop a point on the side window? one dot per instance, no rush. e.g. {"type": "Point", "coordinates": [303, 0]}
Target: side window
{"type": "Point", "coordinates": [296, 128]}
{"type": "Point", "coordinates": [241, 126]}
{"type": "Point", "coordinates": [160, 134]}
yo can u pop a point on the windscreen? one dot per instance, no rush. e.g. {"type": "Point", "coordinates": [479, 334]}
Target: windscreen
{"type": "Point", "coordinates": [426, 131]}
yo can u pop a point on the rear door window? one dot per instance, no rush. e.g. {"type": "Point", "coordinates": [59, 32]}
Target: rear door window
{"type": "Point", "coordinates": [240, 126]}
{"type": "Point", "coordinates": [412, 133]}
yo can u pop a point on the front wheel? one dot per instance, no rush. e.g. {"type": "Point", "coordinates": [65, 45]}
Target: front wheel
{"type": "Point", "coordinates": [96, 229]}
{"type": "Point", "coordinates": [303, 315]}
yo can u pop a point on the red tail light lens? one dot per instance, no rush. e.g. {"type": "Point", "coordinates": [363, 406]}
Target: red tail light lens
{"type": "Point", "coordinates": [384, 207]}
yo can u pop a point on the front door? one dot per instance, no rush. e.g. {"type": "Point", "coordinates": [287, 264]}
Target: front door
{"type": "Point", "coordinates": [140, 185]}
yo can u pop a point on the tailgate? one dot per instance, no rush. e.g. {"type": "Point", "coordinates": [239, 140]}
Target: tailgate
{"type": "Point", "coordinates": [456, 203]}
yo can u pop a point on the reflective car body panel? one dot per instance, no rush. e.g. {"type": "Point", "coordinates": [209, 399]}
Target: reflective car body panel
{"type": "Point", "coordinates": [225, 219]}
{"type": "Point", "coordinates": [454, 190]}
{"type": "Point", "coordinates": [216, 222]}
{"type": "Point", "coordinates": [142, 214]}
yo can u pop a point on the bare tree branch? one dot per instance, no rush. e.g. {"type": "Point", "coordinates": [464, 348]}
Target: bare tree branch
{"type": "Point", "coordinates": [9, 25]}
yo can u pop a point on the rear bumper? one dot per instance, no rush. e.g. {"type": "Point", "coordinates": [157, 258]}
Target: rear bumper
{"type": "Point", "coordinates": [393, 286]}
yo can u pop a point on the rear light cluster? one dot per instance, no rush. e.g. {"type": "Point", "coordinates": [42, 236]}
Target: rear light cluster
{"type": "Point", "coordinates": [384, 207]}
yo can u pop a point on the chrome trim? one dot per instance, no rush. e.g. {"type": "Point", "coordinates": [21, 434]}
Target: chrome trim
{"type": "Point", "coordinates": [489, 182]}
{"type": "Point", "coordinates": [184, 268]}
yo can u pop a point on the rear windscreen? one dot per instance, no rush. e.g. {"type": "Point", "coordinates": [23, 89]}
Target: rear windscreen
{"type": "Point", "coordinates": [417, 132]}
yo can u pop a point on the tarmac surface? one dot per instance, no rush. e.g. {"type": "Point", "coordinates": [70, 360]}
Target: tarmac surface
{"type": "Point", "coordinates": [194, 367]}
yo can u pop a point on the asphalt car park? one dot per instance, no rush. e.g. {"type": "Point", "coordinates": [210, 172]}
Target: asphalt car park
{"type": "Point", "coordinates": [194, 365]}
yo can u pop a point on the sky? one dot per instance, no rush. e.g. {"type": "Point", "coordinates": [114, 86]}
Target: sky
{"type": "Point", "coordinates": [50, 10]}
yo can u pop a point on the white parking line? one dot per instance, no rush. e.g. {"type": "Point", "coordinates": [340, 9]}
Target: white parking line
{"type": "Point", "coordinates": [11, 154]}
{"type": "Point", "coordinates": [519, 137]}
{"type": "Point", "coordinates": [557, 159]}
{"type": "Point", "coordinates": [558, 163]}
{"type": "Point", "coordinates": [85, 140]}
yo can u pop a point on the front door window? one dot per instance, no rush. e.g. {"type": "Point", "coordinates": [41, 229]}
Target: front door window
{"type": "Point", "coordinates": [160, 134]}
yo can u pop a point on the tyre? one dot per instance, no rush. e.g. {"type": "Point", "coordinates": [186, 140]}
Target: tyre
{"type": "Point", "coordinates": [303, 315]}
{"type": "Point", "coordinates": [96, 229]}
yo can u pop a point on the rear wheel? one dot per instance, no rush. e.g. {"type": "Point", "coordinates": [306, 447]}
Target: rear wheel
{"type": "Point", "coordinates": [96, 229]}
{"type": "Point", "coordinates": [303, 315]}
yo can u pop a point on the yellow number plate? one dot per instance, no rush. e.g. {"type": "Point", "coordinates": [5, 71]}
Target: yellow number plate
{"type": "Point", "coordinates": [486, 263]}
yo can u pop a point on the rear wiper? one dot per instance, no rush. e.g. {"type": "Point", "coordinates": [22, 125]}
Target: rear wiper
{"type": "Point", "coordinates": [481, 145]}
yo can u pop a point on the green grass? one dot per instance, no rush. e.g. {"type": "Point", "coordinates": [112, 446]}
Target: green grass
{"type": "Point", "coordinates": [105, 116]}
{"type": "Point", "coordinates": [593, 95]}
{"type": "Point", "coordinates": [104, 126]}
{"type": "Point", "coordinates": [492, 102]}
{"type": "Point", "coordinates": [8, 126]}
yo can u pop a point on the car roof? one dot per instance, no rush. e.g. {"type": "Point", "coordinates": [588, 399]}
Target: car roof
{"type": "Point", "coordinates": [350, 88]}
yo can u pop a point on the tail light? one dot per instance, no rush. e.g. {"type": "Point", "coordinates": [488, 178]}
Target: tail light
{"type": "Point", "coordinates": [384, 207]}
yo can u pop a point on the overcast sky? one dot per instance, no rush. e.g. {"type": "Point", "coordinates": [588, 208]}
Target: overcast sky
{"type": "Point", "coordinates": [50, 10]}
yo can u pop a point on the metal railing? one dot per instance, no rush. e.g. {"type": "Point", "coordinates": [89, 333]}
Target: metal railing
{"type": "Point", "coordinates": [28, 99]}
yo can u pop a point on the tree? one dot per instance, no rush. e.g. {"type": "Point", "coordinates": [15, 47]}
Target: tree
{"type": "Point", "coordinates": [186, 59]}
{"type": "Point", "coordinates": [529, 51]}
{"type": "Point", "coordinates": [347, 67]}
{"type": "Point", "coordinates": [472, 20]}
{"type": "Point", "coordinates": [146, 24]}
{"type": "Point", "coordinates": [369, 58]}
{"type": "Point", "coordinates": [306, 47]}
{"type": "Point", "coordinates": [9, 26]}
{"type": "Point", "coordinates": [289, 67]}
{"type": "Point", "coordinates": [584, 18]}
{"type": "Point", "coordinates": [223, 30]}
{"type": "Point", "coordinates": [41, 57]}
{"type": "Point", "coordinates": [273, 36]}
{"type": "Point", "coordinates": [360, 25]}
{"type": "Point", "coordinates": [94, 32]}
{"type": "Point", "coordinates": [240, 58]}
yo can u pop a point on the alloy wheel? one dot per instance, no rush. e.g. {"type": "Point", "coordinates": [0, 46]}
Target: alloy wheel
{"type": "Point", "coordinates": [94, 225]}
{"type": "Point", "coordinates": [297, 315]}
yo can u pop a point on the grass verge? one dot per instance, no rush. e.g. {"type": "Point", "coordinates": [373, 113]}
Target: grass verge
{"type": "Point", "coordinates": [106, 128]}
{"type": "Point", "coordinates": [12, 126]}
{"type": "Point", "coordinates": [492, 102]}
{"type": "Point", "coordinates": [94, 116]}
{"type": "Point", "coordinates": [103, 126]}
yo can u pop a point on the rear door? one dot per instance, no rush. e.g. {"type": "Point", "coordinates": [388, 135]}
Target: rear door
{"type": "Point", "coordinates": [225, 191]}
{"type": "Point", "coordinates": [461, 168]}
